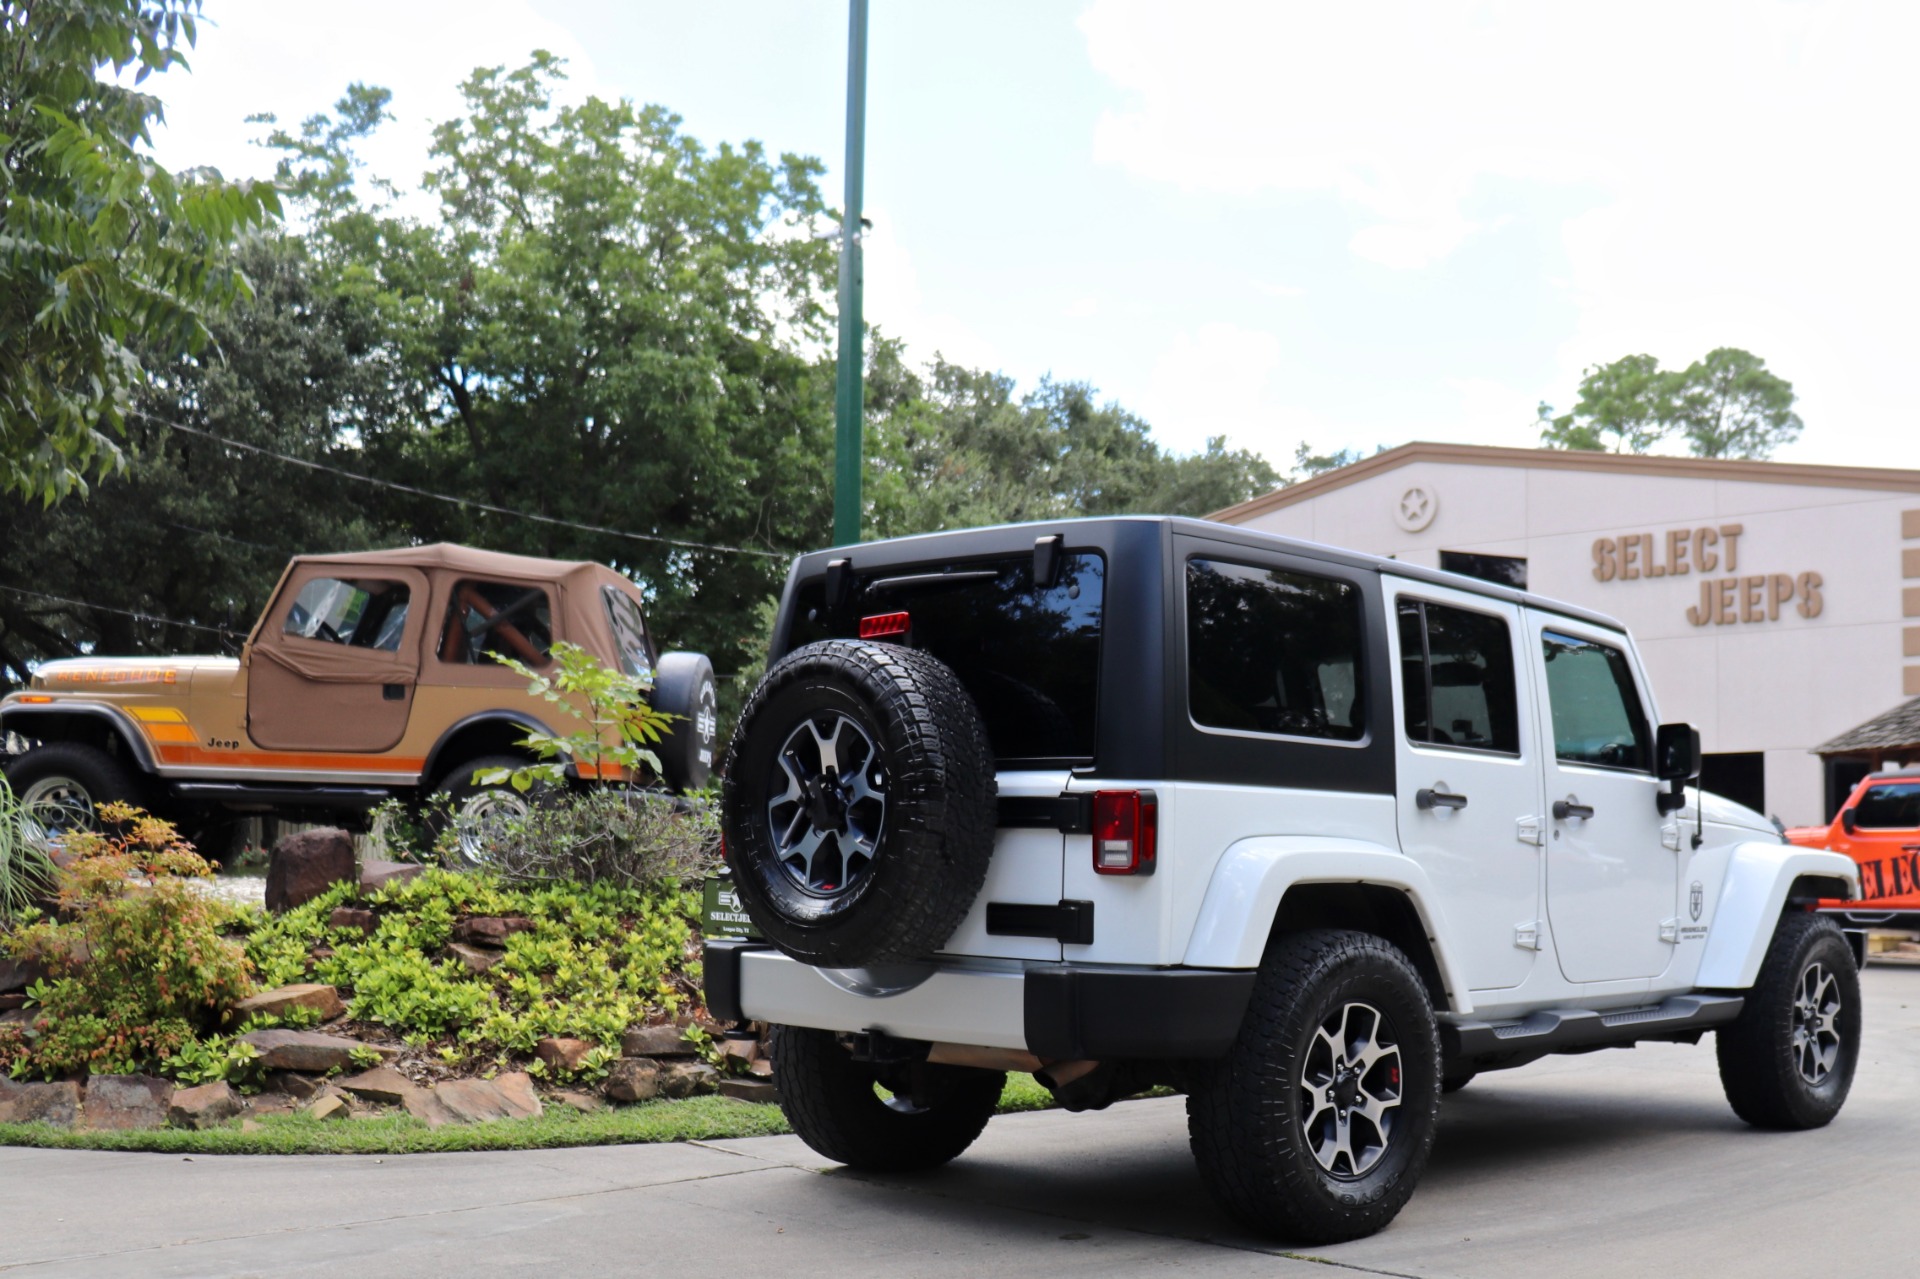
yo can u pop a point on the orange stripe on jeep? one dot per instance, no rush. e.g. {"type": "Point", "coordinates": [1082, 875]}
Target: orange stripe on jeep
{"type": "Point", "coordinates": [171, 733]}
{"type": "Point", "coordinates": [292, 761]}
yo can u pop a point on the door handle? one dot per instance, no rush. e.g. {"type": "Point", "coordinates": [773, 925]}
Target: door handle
{"type": "Point", "coordinates": [1565, 808]}
{"type": "Point", "coordinates": [394, 692]}
{"type": "Point", "coordinates": [1430, 798]}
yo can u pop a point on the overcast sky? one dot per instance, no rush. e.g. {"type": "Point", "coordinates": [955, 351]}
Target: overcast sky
{"type": "Point", "coordinates": [1348, 224]}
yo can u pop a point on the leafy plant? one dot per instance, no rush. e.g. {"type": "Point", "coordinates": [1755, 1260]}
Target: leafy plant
{"type": "Point", "coordinates": [136, 964]}
{"type": "Point", "coordinates": [607, 835]}
{"type": "Point", "coordinates": [206, 1061]}
{"type": "Point", "coordinates": [26, 872]}
{"type": "Point", "coordinates": [617, 717]}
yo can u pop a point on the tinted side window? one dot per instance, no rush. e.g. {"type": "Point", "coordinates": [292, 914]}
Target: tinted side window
{"type": "Point", "coordinates": [1597, 717]}
{"type": "Point", "coordinates": [629, 631]}
{"type": "Point", "coordinates": [490, 620]}
{"type": "Point", "coordinates": [1273, 652]}
{"type": "Point", "coordinates": [1895, 807]}
{"type": "Point", "coordinates": [1458, 676]}
{"type": "Point", "coordinates": [359, 613]}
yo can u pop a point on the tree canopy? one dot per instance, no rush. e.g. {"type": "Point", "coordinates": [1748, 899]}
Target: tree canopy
{"type": "Point", "coordinates": [105, 257]}
{"type": "Point", "coordinates": [1726, 404]}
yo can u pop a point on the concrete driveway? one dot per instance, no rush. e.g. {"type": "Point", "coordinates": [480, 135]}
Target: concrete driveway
{"type": "Point", "coordinates": [1618, 1163]}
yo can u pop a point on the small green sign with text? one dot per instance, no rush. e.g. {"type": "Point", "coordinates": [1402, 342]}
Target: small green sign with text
{"type": "Point", "coordinates": [724, 916]}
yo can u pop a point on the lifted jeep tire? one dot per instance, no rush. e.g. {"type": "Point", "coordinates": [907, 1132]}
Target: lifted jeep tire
{"type": "Point", "coordinates": [1317, 1124]}
{"type": "Point", "coordinates": [1788, 1061]}
{"type": "Point", "coordinates": [832, 1102]}
{"type": "Point", "coordinates": [66, 781]}
{"type": "Point", "coordinates": [859, 806]}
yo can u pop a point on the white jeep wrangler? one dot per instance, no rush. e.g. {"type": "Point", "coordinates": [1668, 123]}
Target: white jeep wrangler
{"type": "Point", "coordinates": [1309, 836]}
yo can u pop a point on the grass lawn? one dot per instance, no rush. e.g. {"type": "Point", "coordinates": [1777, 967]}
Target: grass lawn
{"type": "Point", "coordinates": [696, 1119]}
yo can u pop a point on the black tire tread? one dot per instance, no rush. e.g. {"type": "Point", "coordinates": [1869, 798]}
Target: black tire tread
{"type": "Point", "coordinates": [1242, 1127]}
{"type": "Point", "coordinates": [829, 1099]}
{"type": "Point", "coordinates": [941, 804]}
{"type": "Point", "coordinates": [1761, 1082]}
{"type": "Point", "coordinates": [105, 777]}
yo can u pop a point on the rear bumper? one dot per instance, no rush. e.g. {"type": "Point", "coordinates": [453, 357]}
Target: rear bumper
{"type": "Point", "coordinates": [1055, 1011]}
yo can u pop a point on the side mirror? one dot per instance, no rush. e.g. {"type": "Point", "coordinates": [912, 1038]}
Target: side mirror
{"type": "Point", "coordinates": [1676, 760]}
{"type": "Point", "coordinates": [1676, 753]}
{"type": "Point", "coordinates": [1847, 821]}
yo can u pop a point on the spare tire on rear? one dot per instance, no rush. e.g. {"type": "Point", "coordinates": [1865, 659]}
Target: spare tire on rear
{"type": "Point", "coordinates": [859, 804]}
{"type": "Point", "coordinates": [683, 687]}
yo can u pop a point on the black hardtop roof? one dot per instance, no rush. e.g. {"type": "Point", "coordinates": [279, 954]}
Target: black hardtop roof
{"type": "Point", "coordinates": [1000, 539]}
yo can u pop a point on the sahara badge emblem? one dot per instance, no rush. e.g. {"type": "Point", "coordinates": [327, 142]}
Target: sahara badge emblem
{"type": "Point", "coordinates": [1696, 897]}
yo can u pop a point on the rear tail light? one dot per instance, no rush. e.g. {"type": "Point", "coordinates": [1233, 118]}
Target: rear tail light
{"type": "Point", "coordinates": [1126, 829]}
{"type": "Point", "coordinates": [881, 625]}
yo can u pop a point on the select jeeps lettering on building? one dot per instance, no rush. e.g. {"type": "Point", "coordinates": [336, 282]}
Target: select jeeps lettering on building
{"type": "Point", "coordinates": [1306, 835]}
{"type": "Point", "coordinates": [368, 676]}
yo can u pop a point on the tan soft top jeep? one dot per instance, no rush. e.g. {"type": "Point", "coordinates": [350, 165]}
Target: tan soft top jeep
{"type": "Point", "coordinates": [368, 676]}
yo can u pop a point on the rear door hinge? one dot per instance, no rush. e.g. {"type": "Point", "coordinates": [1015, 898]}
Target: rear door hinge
{"type": "Point", "coordinates": [1670, 931]}
{"type": "Point", "coordinates": [1670, 836]}
{"type": "Point", "coordinates": [1528, 830]}
{"type": "Point", "coordinates": [1527, 936]}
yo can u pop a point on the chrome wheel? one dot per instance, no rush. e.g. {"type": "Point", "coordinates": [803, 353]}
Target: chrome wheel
{"type": "Point", "coordinates": [482, 818]}
{"type": "Point", "coordinates": [57, 806]}
{"type": "Point", "coordinates": [826, 820]}
{"type": "Point", "coordinates": [1816, 1034]}
{"type": "Point", "coordinates": [1350, 1089]}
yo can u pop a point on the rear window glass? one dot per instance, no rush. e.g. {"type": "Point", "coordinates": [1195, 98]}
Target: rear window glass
{"type": "Point", "coordinates": [629, 631]}
{"type": "Point", "coordinates": [1895, 807]}
{"type": "Point", "coordinates": [1030, 657]}
{"type": "Point", "coordinates": [490, 620]}
{"type": "Point", "coordinates": [359, 613]}
{"type": "Point", "coordinates": [1273, 652]}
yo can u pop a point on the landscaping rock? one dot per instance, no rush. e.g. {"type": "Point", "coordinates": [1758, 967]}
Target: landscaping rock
{"type": "Point", "coordinates": [354, 917]}
{"type": "Point", "coordinates": [306, 864]}
{"type": "Point", "coordinates": [563, 1054]}
{"type": "Point", "coordinates": [686, 1078]}
{"type": "Point", "coordinates": [8, 1003]}
{"type": "Point", "coordinates": [584, 1102]}
{"type": "Point", "coordinates": [297, 1086]}
{"type": "Point", "coordinates": [57, 1104]}
{"type": "Point", "coordinates": [759, 1091]}
{"type": "Point", "coordinates": [489, 930]}
{"type": "Point", "coordinates": [329, 1106]}
{"type": "Point", "coordinates": [517, 1088]}
{"type": "Point", "coordinates": [308, 1050]}
{"type": "Point", "coordinates": [204, 1106]}
{"type": "Point", "coordinates": [324, 1000]}
{"type": "Point", "coordinates": [479, 1100]}
{"type": "Point", "coordinates": [382, 1084]}
{"type": "Point", "coordinates": [122, 1102]}
{"type": "Point", "coordinates": [475, 959]}
{"type": "Point", "coordinates": [15, 1017]}
{"type": "Point", "coordinates": [656, 1041]}
{"type": "Point", "coordinates": [633, 1079]}
{"type": "Point", "coordinates": [763, 1068]}
{"type": "Point", "coordinates": [744, 1048]}
{"type": "Point", "coordinates": [376, 875]}
{"type": "Point", "coordinates": [18, 974]}
{"type": "Point", "coordinates": [425, 1105]}
{"type": "Point", "coordinates": [268, 1103]}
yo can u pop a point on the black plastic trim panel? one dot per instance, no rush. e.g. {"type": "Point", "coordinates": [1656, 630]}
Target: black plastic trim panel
{"type": "Point", "coordinates": [13, 720]}
{"type": "Point", "coordinates": [1573, 1029]}
{"type": "Point", "coordinates": [1070, 922]}
{"type": "Point", "coordinates": [1070, 814]}
{"type": "Point", "coordinates": [720, 975]}
{"type": "Point", "coordinates": [1096, 1013]}
{"type": "Point", "coordinates": [346, 798]}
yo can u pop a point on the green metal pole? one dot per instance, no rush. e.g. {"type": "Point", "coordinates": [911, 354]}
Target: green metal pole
{"type": "Point", "coordinates": [849, 395]}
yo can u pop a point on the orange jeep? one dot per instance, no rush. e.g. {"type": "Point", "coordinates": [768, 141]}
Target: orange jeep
{"type": "Point", "coordinates": [368, 676]}
{"type": "Point", "coordinates": [1879, 827]}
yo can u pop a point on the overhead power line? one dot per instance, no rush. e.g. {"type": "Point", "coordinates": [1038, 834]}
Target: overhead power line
{"type": "Point", "coordinates": [466, 502]}
{"type": "Point", "coordinates": [124, 612]}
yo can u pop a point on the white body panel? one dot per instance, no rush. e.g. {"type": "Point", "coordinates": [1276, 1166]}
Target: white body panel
{"type": "Point", "coordinates": [1758, 877]}
{"type": "Point", "coordinates": [1025, 868]}
{"type": "Point", "coordinates": [1475, 858]}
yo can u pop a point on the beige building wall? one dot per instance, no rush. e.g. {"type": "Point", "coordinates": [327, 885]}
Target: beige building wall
{"type": "Point", "coordinates": [1793, 618]}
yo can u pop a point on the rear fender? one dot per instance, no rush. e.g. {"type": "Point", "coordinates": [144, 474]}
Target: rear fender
{"type": "Point", "coordinates": [1254, 875]}
{"type": "Point", "coordinates": [1761, 878]}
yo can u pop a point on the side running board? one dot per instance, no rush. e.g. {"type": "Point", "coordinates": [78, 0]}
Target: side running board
{"type": "Point", "coordinates": [1575, 1029]}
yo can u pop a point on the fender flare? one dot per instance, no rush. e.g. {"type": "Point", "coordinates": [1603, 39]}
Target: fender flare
{"type": "Point", "coordinates": [516, 719]}
{"type": "Point", "coordinates": [1253, 875]}
{"type": "Point", "coordinates": [12, 720]}
{"type": "Point", "coordinates": [1760, 876]}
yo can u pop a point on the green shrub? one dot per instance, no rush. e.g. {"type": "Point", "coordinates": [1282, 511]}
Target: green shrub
{"type": "Point", "coordinates": [136, 967]}
{"type": "Point", "coordinates": [26, 872]}
{"type": "Point", "coordinates": [639, 839]}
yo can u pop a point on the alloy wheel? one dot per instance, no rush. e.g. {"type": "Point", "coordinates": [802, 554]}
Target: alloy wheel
{"type": "Point", "coordinates": [827, 818]}
{"type": "Point", "coordinates": [1349, 1090]}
